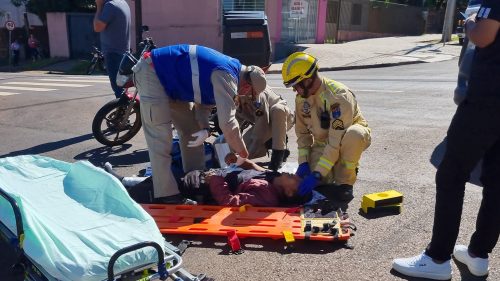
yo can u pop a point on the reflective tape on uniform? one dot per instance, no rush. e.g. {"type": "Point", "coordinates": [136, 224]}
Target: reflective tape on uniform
{"type": "Point", "coordinates": [348, 165]}
{"type": "Point", "coordinates": [325, 163]}
{"type": "Point", "coordinates": [195, 74]}
{"type": "Point", "coordinates": [303, 151]}
{"type": "Point", "coordinates": [319, 143]}
{"type": "Point", "coordinates": [335, 86]}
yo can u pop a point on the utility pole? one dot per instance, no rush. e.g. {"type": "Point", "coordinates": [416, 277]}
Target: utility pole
{"type": "Point", "coordinates": [138, 23]}
{"type": "Point", "coordinates": [339, 14]}
{"type": "Point", "coordinates": [449, 16]}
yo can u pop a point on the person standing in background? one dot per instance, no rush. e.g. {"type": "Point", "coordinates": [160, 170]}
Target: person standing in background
{"type": "Point", "coordinates": [33, 47]}
{"type": "Point", "coordinates": [14, 47]}
{"type": "Point", "coordinates": [112, 21]}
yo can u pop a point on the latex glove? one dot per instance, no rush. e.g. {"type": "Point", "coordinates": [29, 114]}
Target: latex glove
{"type": "Point", "coordinates": [309, 183]}
{"type": "Point", "coordinates": [200, 136]}
{"type": "Point", "coordinates": [194, 179]}
{"type": "Point", "coordinates": [303, 170]}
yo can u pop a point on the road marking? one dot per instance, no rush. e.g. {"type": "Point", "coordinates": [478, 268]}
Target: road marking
{"type": "Point", "coordinates": [66, 80]}
{"type": "Point", "coordinates": [27, 89]}
{"type": "Point", "coordinates": [380, 91]}
{"type": "Point", "coordinates": [8, 94]}
{"type": "Point", "coordinates": [85, 77]}
{"type": "Point", "coordinates": [364, 90]}
{"type": "Point", "coordinates": [47, 84]}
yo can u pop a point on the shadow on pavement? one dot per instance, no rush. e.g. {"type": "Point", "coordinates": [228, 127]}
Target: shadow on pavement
{"type": "Point", "coordinates": [259, 244]}
{"type": "Point", "coordinates": [417, 48]}
{"type": "Point", "coordinates": [395, 273]}
{"type": "Point", "coordinates": [104, 154]}
{"type": "Point", "coordinates": [378, 214]}
{"type": "Point", "coordinates": [465, 273]}
{"type": "Point", "coordinates": [50, 146]}
{"type": "Point", "coordinates": [438, 154]}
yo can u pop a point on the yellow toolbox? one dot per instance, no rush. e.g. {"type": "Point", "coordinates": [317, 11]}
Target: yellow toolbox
{"type": "Point", "coordinates": [386, 200]}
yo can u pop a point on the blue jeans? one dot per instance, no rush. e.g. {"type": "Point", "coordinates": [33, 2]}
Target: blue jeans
{"type": "Point", "coordinates": [112, 61]}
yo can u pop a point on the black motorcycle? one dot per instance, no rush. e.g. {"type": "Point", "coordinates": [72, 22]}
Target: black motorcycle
{"type": "Point", "coordinates": [97, 61]}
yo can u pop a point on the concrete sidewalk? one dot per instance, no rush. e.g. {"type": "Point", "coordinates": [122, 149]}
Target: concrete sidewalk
{"type": "Point", "coordinates": [378, 52]}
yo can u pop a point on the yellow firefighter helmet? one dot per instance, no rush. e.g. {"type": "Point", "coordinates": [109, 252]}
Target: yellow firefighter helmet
{"type": "Point", "coordinates": [297, 67]}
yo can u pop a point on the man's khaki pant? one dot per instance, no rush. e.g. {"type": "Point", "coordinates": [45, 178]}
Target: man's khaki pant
{"type": "Point", "coordinates": [281, 120]}
{"type": "Point", "coordinates": [356, 139]}
{"type": "Point", "coordinates": [157, 114]}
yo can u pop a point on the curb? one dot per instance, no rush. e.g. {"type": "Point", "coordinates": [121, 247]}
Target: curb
{"type": "Point", "coordinates": [354, 67]}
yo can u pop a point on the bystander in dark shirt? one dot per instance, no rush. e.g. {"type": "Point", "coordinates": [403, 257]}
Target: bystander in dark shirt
{"type": "Point", "coordinates": [116, 37]}
{"type": "Point", "coordinates": [485, 75]}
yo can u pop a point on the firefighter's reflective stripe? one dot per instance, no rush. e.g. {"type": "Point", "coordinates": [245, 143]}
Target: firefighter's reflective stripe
{"type": "Point", "coordinates": [325, 163]}
{"type": "Point", "coordinates": [303, 152]}
{"type": "Point", "coordinates": [195, 74]}
{"type": "Point", "coordinates": [335, 86]}
{"type": "Point", "coordinates": [348, 165]}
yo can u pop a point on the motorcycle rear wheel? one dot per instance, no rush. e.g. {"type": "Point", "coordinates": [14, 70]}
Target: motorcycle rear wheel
{"type": "Point", "coordinates": [108, 127]}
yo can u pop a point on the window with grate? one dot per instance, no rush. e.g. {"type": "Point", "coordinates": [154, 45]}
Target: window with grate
{"type": "Point", "coordinates": [356, 14]}
{"type": "Point", "coordinates": [244, 5]}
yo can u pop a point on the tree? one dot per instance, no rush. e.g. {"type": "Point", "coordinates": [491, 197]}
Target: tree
{"type": "Point", "coordinates": [41, 7]}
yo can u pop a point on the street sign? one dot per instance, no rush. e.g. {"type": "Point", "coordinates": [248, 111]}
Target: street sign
{"type": "Point", "coordinates": [10, 25]}
{"type": "Point", "coordinates": [298, 9]}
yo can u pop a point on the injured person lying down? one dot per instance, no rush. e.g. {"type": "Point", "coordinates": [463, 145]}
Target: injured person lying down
{"type": "Point", "coordinates": [236, 185]}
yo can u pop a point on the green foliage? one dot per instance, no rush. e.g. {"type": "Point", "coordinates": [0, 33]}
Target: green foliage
{"type": "Point", "coordinates": [41, 7]}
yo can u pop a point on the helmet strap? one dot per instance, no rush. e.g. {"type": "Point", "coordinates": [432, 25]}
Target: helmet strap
{"type": "Point", "coordinates": [306, 92]}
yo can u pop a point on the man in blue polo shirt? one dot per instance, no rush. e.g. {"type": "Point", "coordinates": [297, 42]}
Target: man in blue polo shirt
{"type": "Point", "coordinates": [112, 21]}
{"type": "Point", "coordinates": [180, 84]}
{"type": "Point", "coordinates": [474, 133]}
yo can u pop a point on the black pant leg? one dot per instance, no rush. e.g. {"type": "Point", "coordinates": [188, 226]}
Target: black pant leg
{"type": "Point", "coordinates": [469, 137]}
{"type": "Point", "coordinates": [487, 231]}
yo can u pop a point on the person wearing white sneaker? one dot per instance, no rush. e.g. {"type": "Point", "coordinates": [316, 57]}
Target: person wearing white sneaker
{"type": "Point", "coordinates": [423, 266]}
{"type": "Point", "coordinates": [474, 134]}
{"type": "Point", "coordinates": [476, 265]}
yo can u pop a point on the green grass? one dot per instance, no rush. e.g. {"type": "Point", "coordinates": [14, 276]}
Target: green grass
{"type": "Point", "coordinates": [39, 64]}
{"type": "Point", "coordinates": [79, 67]}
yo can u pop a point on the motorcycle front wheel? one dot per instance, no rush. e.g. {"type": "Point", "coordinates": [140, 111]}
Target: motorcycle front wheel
{"type": "Point", "coordinates": [92, 66]}
{"type": "Point", "coordinates": [111, 127]}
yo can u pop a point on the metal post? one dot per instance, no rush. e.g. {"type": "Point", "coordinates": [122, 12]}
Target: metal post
{"type": "Point", "coordinates": [138, 23]}
{"type": "Point", "coordinates": [10, 51]}
{"type": "Point", "coordinates": [448, 20]}
{"type": "Point", "coordinates": [338, 22]}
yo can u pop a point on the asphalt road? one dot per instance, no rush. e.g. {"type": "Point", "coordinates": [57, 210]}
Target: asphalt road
{"type": "Point", "coordinates": [408, 108]}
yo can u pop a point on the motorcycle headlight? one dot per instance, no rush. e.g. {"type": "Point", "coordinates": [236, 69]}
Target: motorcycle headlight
{"type": "Point", "coordinates": [124, 81]}
{"type": "Point", "coordinates": [126, 64]}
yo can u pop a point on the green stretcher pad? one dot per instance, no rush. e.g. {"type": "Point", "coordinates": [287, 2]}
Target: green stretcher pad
{"type": "Point", "coordinates": [75, 217]}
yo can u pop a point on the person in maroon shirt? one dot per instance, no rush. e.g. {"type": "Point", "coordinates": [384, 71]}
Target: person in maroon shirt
{"type": "Point", "coordinates": [246, 183]}
{"type": "Point", "coordinates": [264, 189]}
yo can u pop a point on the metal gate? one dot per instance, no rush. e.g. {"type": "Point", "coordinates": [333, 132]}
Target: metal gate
{"type": "Point", "coordinates": [244, 5]}
{"type": "Point", "coordinates": [81, 35]}
{"type": "Point", "coordinates": [299, 21]}
{"type": "Point", "coordinates": [332, 21]}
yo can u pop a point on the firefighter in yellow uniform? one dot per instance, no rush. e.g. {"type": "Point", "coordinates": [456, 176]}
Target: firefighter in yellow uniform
{"type": "Point", "coordinates": [331, 131]}
{"type": "Point", "coordinates": [271, 119]}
